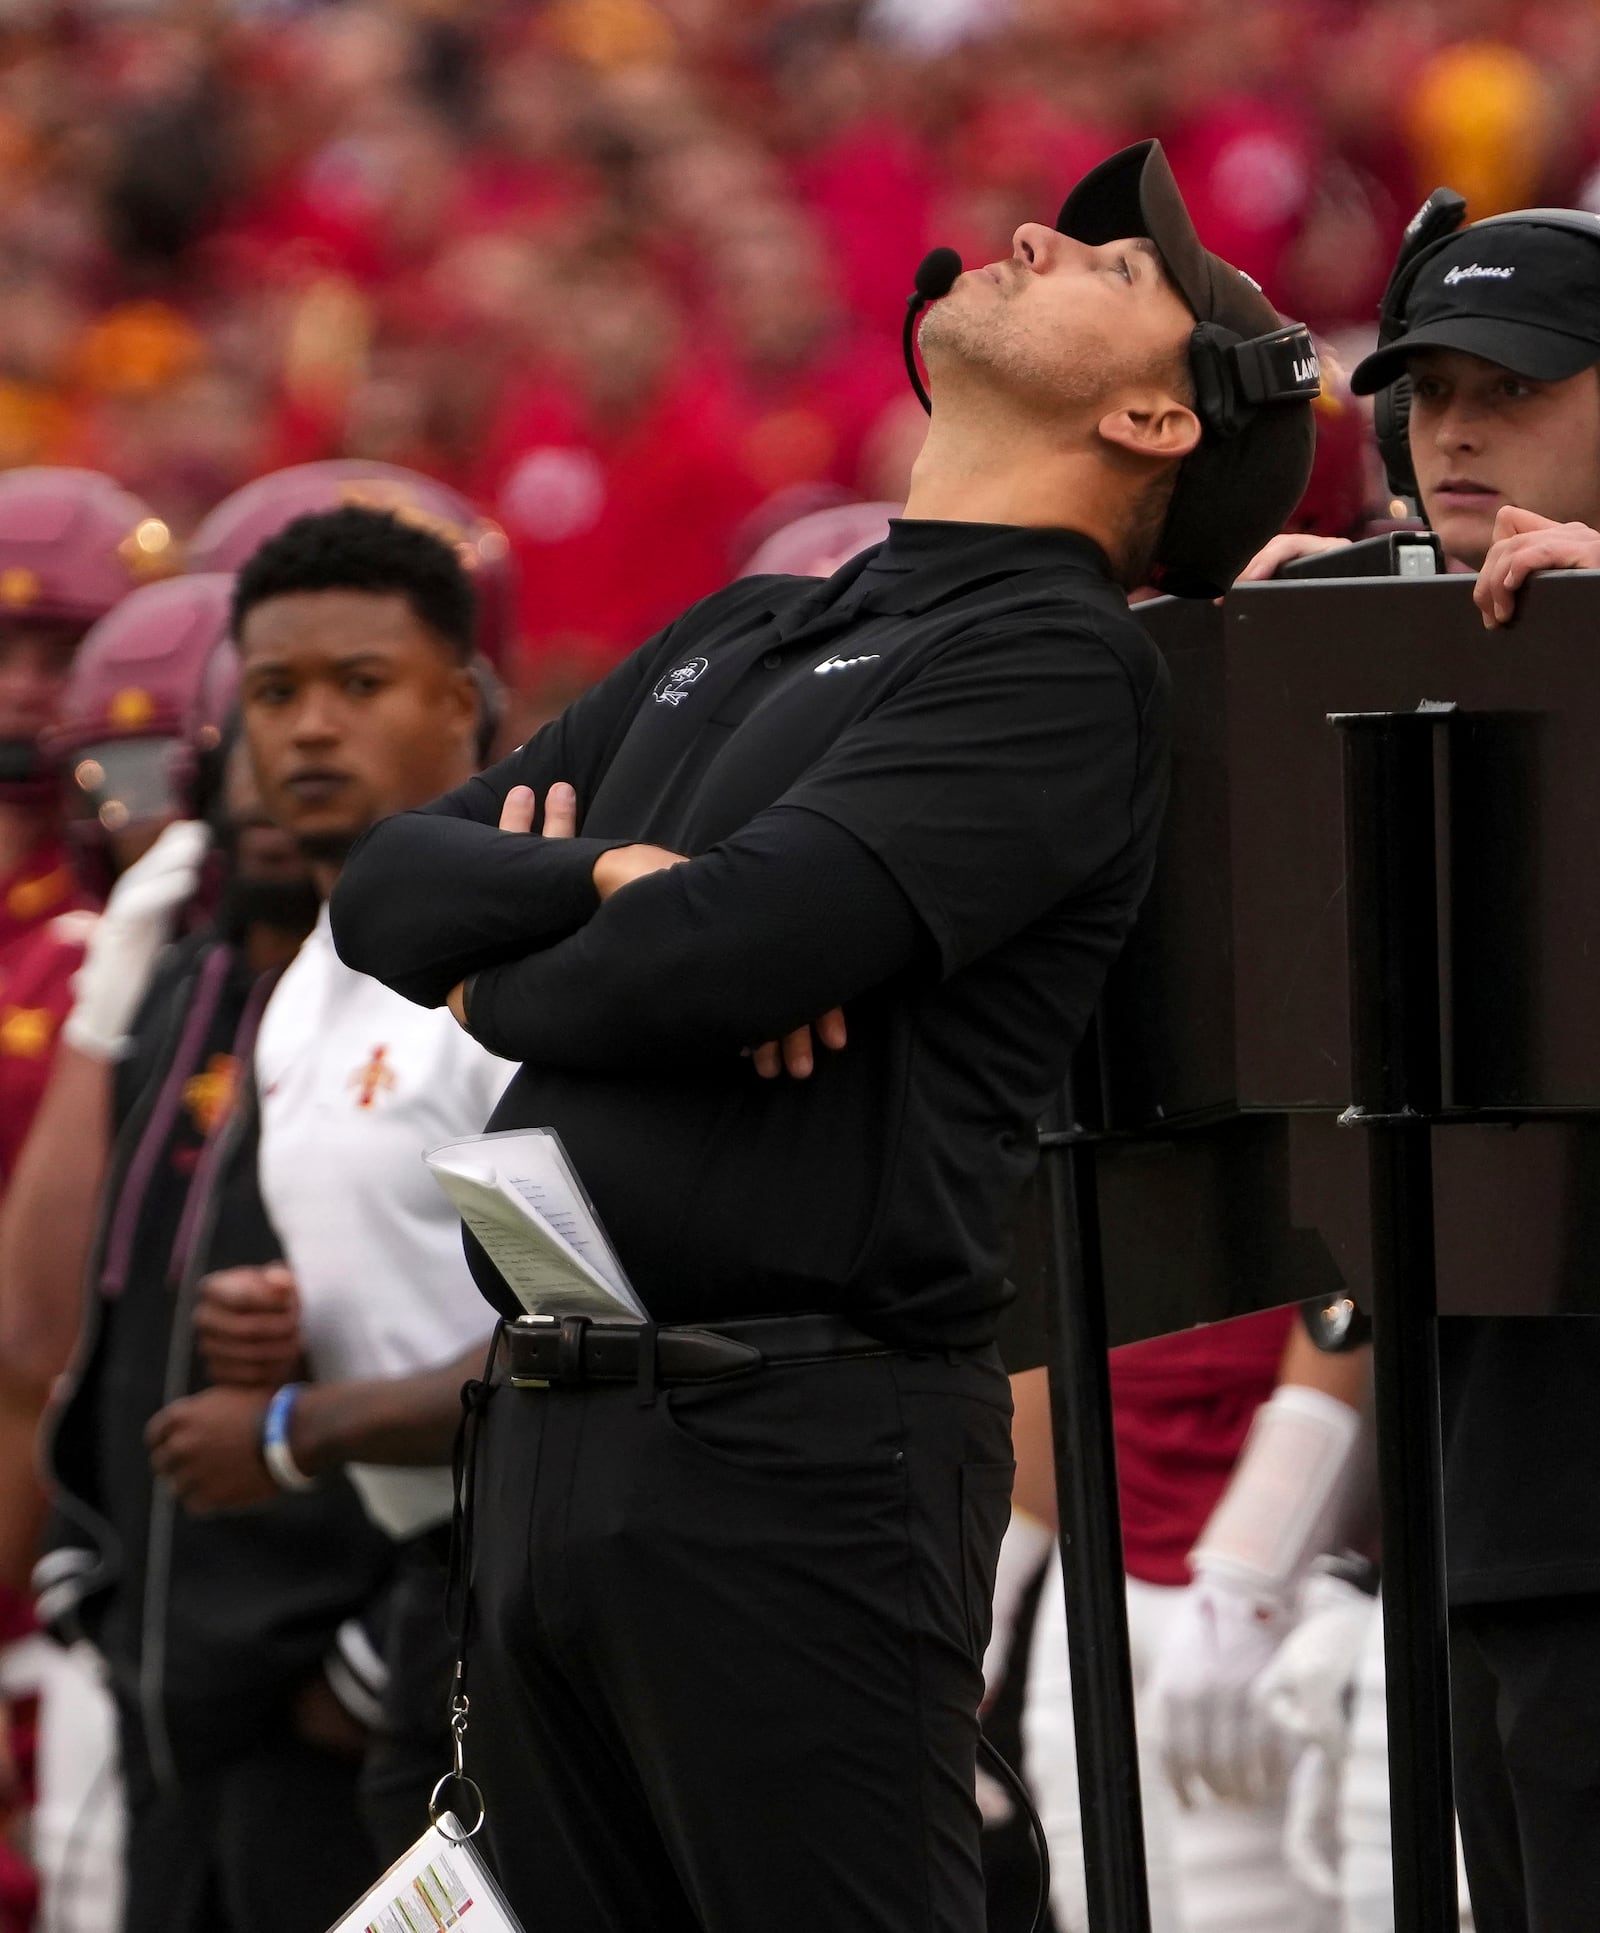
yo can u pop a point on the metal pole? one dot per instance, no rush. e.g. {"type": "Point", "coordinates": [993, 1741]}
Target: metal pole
{"type": "Point", "coordinates": [1091, 1549]}
{"type": "Point", "coordinates": [1395, 1083]}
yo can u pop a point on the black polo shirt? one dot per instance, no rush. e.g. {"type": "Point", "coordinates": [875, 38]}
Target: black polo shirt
{"type": "Point", "coordinates": [927, 788]}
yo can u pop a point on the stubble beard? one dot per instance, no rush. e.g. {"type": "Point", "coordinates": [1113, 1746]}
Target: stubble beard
{"type": "Point", "coordinates": [992, 338]}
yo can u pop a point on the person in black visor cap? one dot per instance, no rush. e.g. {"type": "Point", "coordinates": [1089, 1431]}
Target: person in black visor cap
{"type": "Point", "coordinates": [1513, 291]}
{"type": "Point", "coordinates": [1487, 407]}
{"type": "Point", "coordinates": [851, 859]}
{"type": "Point", "coordinates": [1487, 413]}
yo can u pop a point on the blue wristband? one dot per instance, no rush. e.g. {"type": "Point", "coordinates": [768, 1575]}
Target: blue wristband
{"type": "Point", "coordinates": [275, 1452]}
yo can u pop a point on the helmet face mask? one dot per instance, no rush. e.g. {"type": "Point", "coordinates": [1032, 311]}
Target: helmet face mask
{"type": "Point", "coordinates": [149, 690]}
{"type": "Point", "coordinates": [124, 782]}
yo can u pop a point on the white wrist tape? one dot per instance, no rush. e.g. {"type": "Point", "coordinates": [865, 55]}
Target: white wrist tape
{"type": "Point", "coordinates": [1286, 1497]}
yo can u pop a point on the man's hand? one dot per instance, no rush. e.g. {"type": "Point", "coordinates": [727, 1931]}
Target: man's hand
{"type": "Point", "coordinates": [560, 810]}
{"type": "Point", "coordinates": [208, 1447]}
{"type": "Point", "coordinates": [517, 813]}
{"type": "Point", "coordinates": [794, 1054]}
{"type": "Point", "coordinates": [1284, 549]}
{"type": "Point", "coordinates": [622, 865]}
{"type": "Point", "coordinates": [247, 1323]}
{"type": "Point", "coordinates": [1525, 543]}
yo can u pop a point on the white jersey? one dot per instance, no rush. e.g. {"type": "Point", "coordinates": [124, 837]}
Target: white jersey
{"type": "Point", "coordinates": [356, 1083]}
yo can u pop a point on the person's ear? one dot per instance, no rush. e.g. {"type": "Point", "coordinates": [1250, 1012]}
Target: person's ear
{"type": "Point", "coordinates": [1155, 426]}
{"type": "Point", "coordinates": [465, 704]}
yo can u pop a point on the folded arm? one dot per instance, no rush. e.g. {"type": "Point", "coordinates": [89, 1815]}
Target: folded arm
{"type": "Point", "coordinates": [427, 897]}
{"type": "Point", "coordinates": [790, 917]}
{"type": "Point", "coordinates": [998, 781]}
{"type": "Point", "coordinates": [425, 900]}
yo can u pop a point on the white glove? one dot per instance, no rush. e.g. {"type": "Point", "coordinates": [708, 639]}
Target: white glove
{"type": "Point", "coordinates": [1312, 1848]}
{"type": "Point", "coordinates": [128, 938]}
{"type": "Point", "coordinates": [1278, 1512]}
{"type": "Point", "coordinates": [1307, 1691]}
{"type": "Point", "coordinates": [1209, 1730]}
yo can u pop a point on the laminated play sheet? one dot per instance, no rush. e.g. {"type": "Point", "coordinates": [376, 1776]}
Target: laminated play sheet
{"type": "Point", "coordinates": [523, 1201]}
{"type": "Point", "coordinates": [440, 1885]}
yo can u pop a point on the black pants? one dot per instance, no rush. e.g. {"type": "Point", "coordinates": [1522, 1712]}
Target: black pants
{"type": "Point", "coordinates": [1525, 1702]}
{"type": "Point", "coordinates": [410, 1749]}
{"type": "Point", "coordinates": [268, 1840]}
{"type": "Point", "coordinates": [726, 1659]}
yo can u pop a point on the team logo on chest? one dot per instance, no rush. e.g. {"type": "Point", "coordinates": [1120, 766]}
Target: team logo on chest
{"type": "Point", "coordinates": [209, 1095]}
{"type": "Point", "coordinates": [674, 687]}
{"type": "Point", "coordinates": [374, 1078]}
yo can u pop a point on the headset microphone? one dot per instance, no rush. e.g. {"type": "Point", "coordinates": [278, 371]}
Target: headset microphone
{"type": "Point", "coordinates": [936, 275]}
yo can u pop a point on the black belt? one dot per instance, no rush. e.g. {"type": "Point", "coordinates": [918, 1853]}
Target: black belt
{"type": "Point", "coordinates": [539, 1350]}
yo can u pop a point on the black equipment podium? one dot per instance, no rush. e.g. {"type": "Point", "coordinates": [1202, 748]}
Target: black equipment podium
{"type": "Point", "coordinates": [1351, 1050]}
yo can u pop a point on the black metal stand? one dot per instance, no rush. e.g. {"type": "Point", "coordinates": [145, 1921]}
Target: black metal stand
{"type": "Point", "coordinates": [1392, 914]}
{"type": "Point", "coordinates": [1091, 1549]}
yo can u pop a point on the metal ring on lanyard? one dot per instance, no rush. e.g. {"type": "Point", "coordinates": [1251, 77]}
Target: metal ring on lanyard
{"type": "Point", "coordinates": [457, 1775]}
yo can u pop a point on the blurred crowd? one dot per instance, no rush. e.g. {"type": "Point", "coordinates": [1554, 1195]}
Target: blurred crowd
{"type": "Point", "coordinates": [627, 271]}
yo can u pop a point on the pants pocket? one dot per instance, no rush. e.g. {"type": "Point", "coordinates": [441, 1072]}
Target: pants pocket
{"type": "Point", "coordinates": [823, 1420]}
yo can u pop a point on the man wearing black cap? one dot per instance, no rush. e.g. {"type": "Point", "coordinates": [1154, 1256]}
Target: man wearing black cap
{"type": "Point", "coordinates": [733, 1566]}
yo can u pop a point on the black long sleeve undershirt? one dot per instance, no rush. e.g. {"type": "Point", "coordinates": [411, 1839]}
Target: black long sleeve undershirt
{"type": "Point", "coordinates": [436, 898]}
{"type": "Point", "coordinates": [786, 919]}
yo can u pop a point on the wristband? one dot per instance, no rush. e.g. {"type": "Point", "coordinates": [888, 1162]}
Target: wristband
{"type": "Point", "coordinates": [275, 1454]}
{"type": "Point", "coordinates": [1286, 1498]}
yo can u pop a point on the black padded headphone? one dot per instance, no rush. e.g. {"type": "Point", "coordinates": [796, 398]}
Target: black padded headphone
{"type": "Point", "coordinates": [1234, 375]}
{"type": "Point", "coordinates": [1437, 221]}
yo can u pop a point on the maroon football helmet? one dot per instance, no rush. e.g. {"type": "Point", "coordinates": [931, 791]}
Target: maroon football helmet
{"type": "Point", "coordinates": [72, 545]}
{"type": "Point", "coordinates": [242, 523]}
{"type": "Point", "coordinates": [150, 688]}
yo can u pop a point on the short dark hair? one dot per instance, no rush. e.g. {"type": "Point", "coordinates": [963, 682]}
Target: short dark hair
{"type": "Point", "coordinates": [360, 549]}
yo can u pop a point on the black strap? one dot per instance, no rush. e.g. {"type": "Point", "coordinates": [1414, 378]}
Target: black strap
{"type": "Point", "coordinates": [464, 1484]}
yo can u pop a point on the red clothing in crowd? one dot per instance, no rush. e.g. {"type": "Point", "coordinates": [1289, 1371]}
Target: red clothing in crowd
{"type": "Point", "coordinates": [1247, 168]}
{"type": "Point", "coordinates": [871, 189]}
{"type": "Point", "coordinates": [41, 944]}
{"type": "Point", "coordinates": [812, 424]}
{"type": "Point", "coordinates": [1183, 1405]}
{"type": "Point", "coordinates": [606, 553]}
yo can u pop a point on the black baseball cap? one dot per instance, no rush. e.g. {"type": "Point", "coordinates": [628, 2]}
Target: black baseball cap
{"type": "Point", "coordinates": [1522, 294]}
{"type": "Point", "coordinates": [1237, 489]}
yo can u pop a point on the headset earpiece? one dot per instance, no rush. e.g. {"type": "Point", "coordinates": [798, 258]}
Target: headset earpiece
{"type": "Point", "coordinates": [1234, 375]}
{"type": "Point", "coordinates": [1213, 400]}
{"type": "Point", "coordinates": [1391, 427]}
